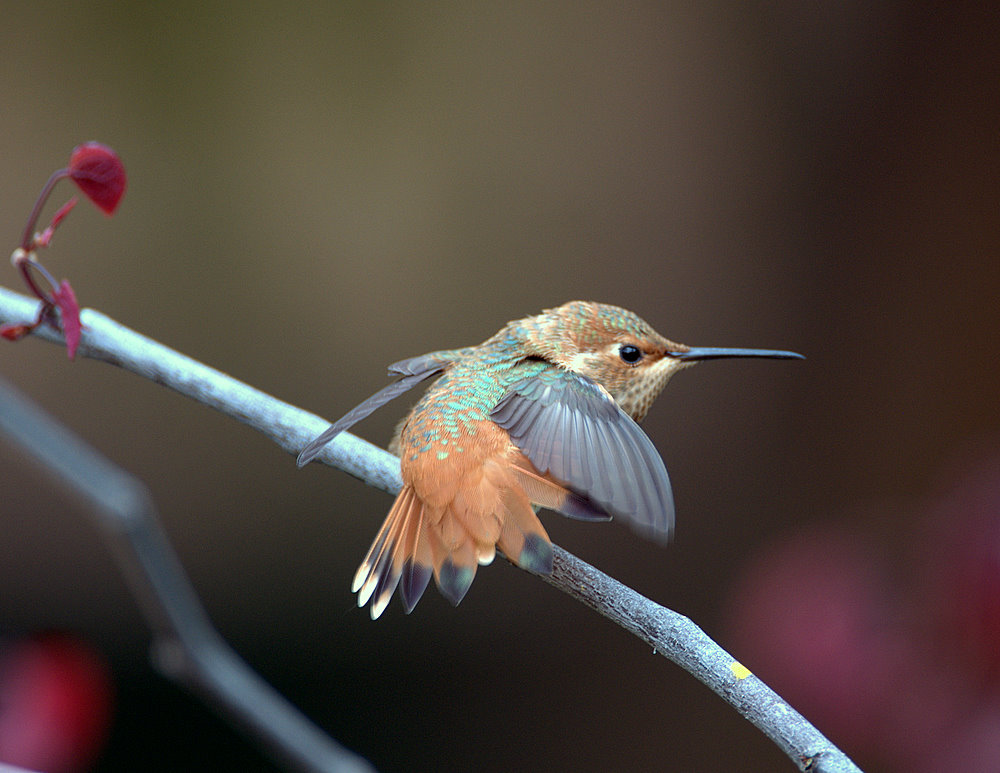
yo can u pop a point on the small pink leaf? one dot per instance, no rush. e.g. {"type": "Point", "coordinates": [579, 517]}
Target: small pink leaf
{"type": "Point", "coordinates": [45, 237]}
{"type": "Point", "coordinates": [100, 174]}
{"type": "Point", "coordinates": [61, 213]}
{"type": "Point", "coordinates": [65, 299]}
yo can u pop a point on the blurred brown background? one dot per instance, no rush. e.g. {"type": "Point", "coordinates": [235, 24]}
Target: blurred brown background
{"type": "Point", "coordinates": [317, 190]}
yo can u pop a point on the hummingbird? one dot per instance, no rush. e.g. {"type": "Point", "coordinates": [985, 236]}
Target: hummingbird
{"type": "Point", "coordinates": [544, 414]}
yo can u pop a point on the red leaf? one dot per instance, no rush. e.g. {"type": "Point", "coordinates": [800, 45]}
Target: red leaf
{"type": "Point", "coordinates": [65, 299]}
{"type": "Point", "coordinates": [15, 332]}
{"type": "Point", "coordinates": [100, 174]}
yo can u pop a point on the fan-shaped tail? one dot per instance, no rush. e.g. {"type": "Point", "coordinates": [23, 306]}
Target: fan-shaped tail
{"type": "Point", "coordinates": [492, 507]}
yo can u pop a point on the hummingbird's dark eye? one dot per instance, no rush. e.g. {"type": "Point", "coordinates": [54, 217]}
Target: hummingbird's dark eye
{"type": "Point", "coordinates": [630, 354]}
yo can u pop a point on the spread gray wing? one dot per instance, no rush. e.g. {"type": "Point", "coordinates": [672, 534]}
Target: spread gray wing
{"type": "Point", "coordinates": [413, 371]}
{"type": "Point", "coordinates": [570, 427]}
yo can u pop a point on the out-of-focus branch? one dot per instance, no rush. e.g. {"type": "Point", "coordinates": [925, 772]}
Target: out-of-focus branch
{"type": "Point", "coordinates": [670, 634]}
{"type": "Point", "coordinates": [185, 645]}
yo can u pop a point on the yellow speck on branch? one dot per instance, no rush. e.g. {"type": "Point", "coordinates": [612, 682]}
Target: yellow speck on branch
{"type": "Point", "coordinates": [739, 670]}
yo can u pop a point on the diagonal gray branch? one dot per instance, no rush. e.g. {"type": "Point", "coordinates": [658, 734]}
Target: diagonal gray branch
{"type": "Point", "coordinates": [669, 633]}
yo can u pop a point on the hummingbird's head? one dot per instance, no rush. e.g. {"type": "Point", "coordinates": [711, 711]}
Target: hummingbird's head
{"type": "Point", "coordinates": [613, 347]}
{"type": "Point", "coordinates": [620, 351]}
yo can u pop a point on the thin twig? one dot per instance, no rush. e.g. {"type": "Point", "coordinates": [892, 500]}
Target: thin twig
{"type": "Point", "coordinates": [670, 634]}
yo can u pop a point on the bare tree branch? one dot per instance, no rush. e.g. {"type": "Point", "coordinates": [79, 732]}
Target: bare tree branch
{"type": "Point", "coordinates": [677, 638]}
{"type": "Point", "coordinates": [669, 633]}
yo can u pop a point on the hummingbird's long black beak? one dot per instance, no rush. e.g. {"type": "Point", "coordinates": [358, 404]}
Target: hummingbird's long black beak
{"type": "Point", "coordinates": [713, 353]}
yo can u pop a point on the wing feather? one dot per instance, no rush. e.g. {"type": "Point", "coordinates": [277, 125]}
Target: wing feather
{"type": "Point", "coordinates": [413, 371]}
{"type": "Point", "coordinates": [570, 427]}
